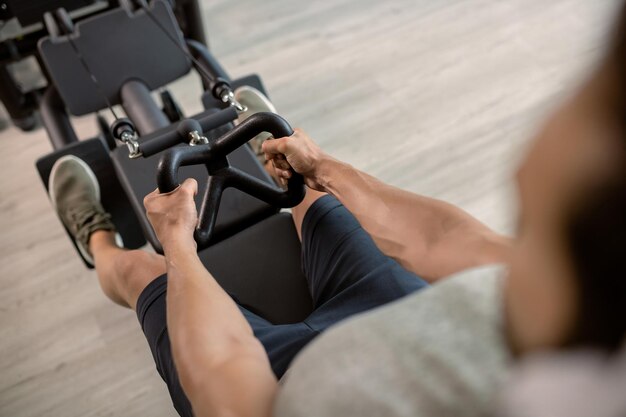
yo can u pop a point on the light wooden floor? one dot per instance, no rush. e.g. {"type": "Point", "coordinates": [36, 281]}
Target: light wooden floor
{"type": "Point", "coordinates": [436, 96]}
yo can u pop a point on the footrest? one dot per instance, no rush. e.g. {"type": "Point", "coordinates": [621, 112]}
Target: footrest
{"type": "Point", "coordinates": [114, 200]}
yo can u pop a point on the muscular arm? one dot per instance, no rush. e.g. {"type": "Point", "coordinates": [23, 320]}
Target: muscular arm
{"type": "Point", "coordinates": [427, 236]}
{"type": "Point", "coordinates": [222, 367]}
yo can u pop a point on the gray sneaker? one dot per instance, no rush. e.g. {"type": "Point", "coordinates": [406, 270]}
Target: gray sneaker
{"type": "Point", "coordinates": [256, 102]}
{"type": "Point", "coordinates": [75, 195]}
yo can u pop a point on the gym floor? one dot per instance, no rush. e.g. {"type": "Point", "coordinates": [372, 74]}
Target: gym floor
{"type": "Point", "coordinates": [437, 97]}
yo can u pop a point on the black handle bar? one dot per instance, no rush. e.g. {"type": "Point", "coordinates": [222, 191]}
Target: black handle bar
{"type": "Point", "coordinates": [176, 133]}
{"type": "Point", "coordinates": [222, 175]}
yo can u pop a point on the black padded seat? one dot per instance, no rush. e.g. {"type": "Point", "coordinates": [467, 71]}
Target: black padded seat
{"type": "Point", "coordinates": [260, 266]}
{"type": "Point", "coordinates": [237, 210]}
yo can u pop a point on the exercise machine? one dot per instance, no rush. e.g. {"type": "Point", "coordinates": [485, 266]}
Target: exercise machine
{"type": "Point", "coordinates": [21, 26]}
{"type": "Point", "coordinates": [120, 55]}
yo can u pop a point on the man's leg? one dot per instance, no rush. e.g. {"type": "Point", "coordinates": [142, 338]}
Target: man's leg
{"type": "Point", "coordinates": [123, 274]}
{"type": "Point", "coordinates": [346, 272]}
{"type": "Point", "coordinates": [126, 277]}
{"type": "Point", "coordinates": [137, 279]}
{"type": "Point", "coordinates": [299, 212]}
{"type": "Point", "coordinates": [75, 194]}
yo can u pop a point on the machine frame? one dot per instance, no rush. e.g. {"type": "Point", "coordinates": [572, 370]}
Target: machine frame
{"type": "Point", "coordinates": [238, 202]}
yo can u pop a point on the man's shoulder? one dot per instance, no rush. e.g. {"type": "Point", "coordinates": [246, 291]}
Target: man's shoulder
{"type": "Point", "coordinates": [478, 278]}
{"type": "Point", "coordinates": [460, 313]}
{"type": "Point", "coordinates": [468, 299]}
{"type": "Point", "coordinates": [480, 285]}
{"type": "Point", "coordinates": [466, 302]}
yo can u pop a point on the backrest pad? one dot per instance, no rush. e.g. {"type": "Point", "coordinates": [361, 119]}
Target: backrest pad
{"type": "Point", "coordinates": [117, 46]}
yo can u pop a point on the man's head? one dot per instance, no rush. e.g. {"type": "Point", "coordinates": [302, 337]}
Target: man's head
{"type": "Point", "coordinates": [567, 283]}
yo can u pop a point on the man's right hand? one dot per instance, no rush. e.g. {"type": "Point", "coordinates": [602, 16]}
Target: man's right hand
{"type": "Point", "coordinates": [173, 215]}
{"type": "Point", "coordinates": [297, 152]}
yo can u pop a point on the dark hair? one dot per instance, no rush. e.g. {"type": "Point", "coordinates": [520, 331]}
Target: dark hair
{"type": "Point", "coordinates": [595, 232]}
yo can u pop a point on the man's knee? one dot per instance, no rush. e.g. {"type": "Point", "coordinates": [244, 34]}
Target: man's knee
{"type": "Point", "coordinates": [136, 269]}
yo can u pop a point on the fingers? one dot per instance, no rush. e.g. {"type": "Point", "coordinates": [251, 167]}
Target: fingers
{"type": "Point", "coordinates": [275, 151]}
{"type": "Point", "coordinates": [282, 169]}
{"type": "Point", "coordinates": [283, 173]}
{"type": "Point", "coordinates": [281, 164]}
{"type": "Point", "coordinates": [189, 186]}
{"type": "Point", "coordinates": [151, 195]}
{"type": "Point", "coordinates": [273, 156]}
{"type": "Point", "coordinates": [276, 146]}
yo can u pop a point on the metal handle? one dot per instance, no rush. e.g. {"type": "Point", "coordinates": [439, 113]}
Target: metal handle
{"type": "Point", "coordinates": [169, 136]}
{"type": "Point", "coordinates": [222, 175]}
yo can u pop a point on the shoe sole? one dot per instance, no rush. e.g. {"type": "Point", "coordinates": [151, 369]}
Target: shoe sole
{"type": "Point", "coordinates": [268, 106]}
{"type": "Point", "coordinates": [266, 102]}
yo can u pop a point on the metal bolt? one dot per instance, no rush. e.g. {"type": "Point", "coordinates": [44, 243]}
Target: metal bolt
{"type": "Point", "coordinates": [126, 136]}
{"type": "Point", "coordinates": [196, 139]}
{"type": "Point", "coordinates": [228, 96]}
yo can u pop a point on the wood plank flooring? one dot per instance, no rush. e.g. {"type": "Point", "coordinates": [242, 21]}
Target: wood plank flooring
{"type": "Point", "coordinates": [435, 96]}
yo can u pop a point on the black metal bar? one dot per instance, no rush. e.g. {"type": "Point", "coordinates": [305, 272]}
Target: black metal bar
{"type": "Point", "coordinates": [12, 50]}
{"type": "Point", "coordinates": [210, 66]}
{"type": "Point", "coordinates": [178, 133]}
{"type": "Point", "coordinates": [55, 119]}
{"type": "Point", "coordinates": [192, 15]}
{"type": "Point", "coordinates": [209, 210]}
{"type": "Point", "coordinates": [222, 175]}
{"type": "Point", "coordinates": [17, 104]}
{"type": "Point", "coordinates": [252, 126]}
{"type": "Point", "coordinates": [213, 118]}
{"type": "Point", "coordinates": [141, 108]}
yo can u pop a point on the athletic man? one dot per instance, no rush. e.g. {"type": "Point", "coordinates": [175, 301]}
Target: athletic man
{"type": "Point", "coordinates": [435, 350]}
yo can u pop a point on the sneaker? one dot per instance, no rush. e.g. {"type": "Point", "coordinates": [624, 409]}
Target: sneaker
{"type": "Point", "coordinates": [75, 195]}
{"type": "Point", "coordinates": [256, 102]}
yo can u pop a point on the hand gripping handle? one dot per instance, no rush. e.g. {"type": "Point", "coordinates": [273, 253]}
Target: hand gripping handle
{"type": "Point", "coordinates": [222, 175]}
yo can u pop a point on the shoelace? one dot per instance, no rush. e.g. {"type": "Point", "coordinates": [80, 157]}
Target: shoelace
{"type": "Point", "coordinates": [83, 219]}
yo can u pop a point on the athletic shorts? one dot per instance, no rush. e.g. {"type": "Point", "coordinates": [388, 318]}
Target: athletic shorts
{"type": "Point", "coordinates": [347, 274]}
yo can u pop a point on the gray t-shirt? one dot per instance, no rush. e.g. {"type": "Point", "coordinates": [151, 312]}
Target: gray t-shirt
{"type": "Point", "coordinates": [439, 352]}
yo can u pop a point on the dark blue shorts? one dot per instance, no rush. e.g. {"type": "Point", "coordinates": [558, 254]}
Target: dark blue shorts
{"type": "Point", "coordinates": [346, 272]}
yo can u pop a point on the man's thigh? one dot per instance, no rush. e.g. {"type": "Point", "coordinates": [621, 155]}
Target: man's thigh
{"type": "Point", "coordinates": [151, 312]}
{"type": "Point", "coordinates": [383, 284]}
{"type": "Point", "coordinates": [346, 271]}
{"type": "Point", "coordinates": [281, 342]}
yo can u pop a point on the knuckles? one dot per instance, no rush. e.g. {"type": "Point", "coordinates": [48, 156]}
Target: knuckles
{"type": "Point", "coordinates": [148, 203]}
{"type": "Point", "coordinates": [187, 191]}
